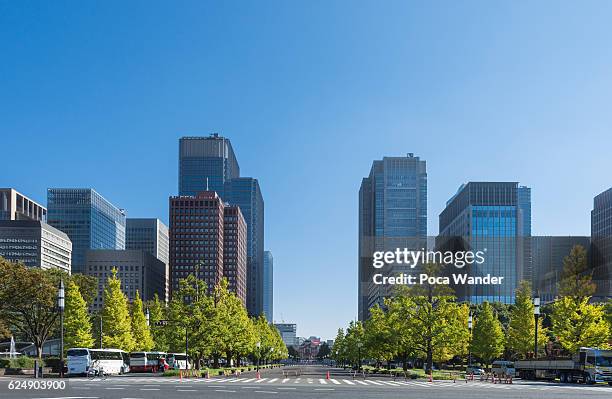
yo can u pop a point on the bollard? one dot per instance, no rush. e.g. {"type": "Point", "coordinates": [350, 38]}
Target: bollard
{"type": "Point", "coordinates": [181, 375]}
{"type": "Point", "coordinates": [430, 377]}
{"type": "Point", "coordinates": [207, 373]}
{"type": "Point", "coordinates": [258, 376]}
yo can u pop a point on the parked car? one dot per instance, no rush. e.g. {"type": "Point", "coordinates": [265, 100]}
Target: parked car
{"type": "Point", "coordinates": [474, 370]}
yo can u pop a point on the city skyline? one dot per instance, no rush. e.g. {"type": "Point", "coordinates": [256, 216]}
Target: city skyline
{"type": "Point", "coordinates": [310, 96]}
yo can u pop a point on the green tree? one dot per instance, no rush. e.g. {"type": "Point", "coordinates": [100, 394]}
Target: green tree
{"type": "Point", "coordinates": [117, 326]}
{"type": "Point", "coordinates": [354, 342]}
{"type": "Point", "coordinates": [521, 329]}
{"type": "Point", "coordinates": [339, 349]}
{"type": "Point", "coordinates": [156, 314]}
{"type": "Point", "coordinates": [488, 335]}
{"type": "Point", "coordinates": [430, 316]}
{"type": "Point", "coordinates": [28, 301]}
{"type": "Point", "coordinates": [77, 326]}
{"type": "Point", "coordinates": [324, 351]}
{"type": "Point", "coordinates": [292, 353]}
{"type": "Point", "coordinates": [578, 323]}
{"type": "Point", "coordinates": [140, 330]}
{"type": "Point", "coordinates": [379, 339]}
{"type": "Point", "coordinates": [88, 286]}
{"type": "Point", "coordinates": [576, 280]}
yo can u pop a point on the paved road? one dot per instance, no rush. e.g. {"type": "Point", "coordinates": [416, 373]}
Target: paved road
{"type": "Point", "coordinates": [311, 384]}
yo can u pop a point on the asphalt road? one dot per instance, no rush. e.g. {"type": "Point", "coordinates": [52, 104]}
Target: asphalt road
{"type": "Point", "coordinates": [312, 383]}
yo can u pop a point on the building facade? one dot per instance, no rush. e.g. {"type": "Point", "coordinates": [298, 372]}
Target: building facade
{"type": "Point", "coordinates": [268, 286]}
{"type": "Point", "coordinates": [488, 217]}
{"type": "Point", "coordinates": [235, 251]}
{"type": "Point", "coordinates": [205, 164]}
{"type": "Point", "coordinates": [392, 214]}
{"type": "Point", "coordinates": [16, 206]}
{"type": "Point", "coordinates": [148, 234]}
{"type": "Point", "coordinates": [35, 244]}
{"type": "Point", "coordinates": [288, 333]}
{"type": "Point", "coordinates": [88, 219]}
{"type": "Point", "coordinates": [138, 271]}
{"type": "Point", "coordinates": [601, 235]}
{"type": "Point", "coordinates": [210, 164]}
{"type": "Point", "coordinates": [196, 238]}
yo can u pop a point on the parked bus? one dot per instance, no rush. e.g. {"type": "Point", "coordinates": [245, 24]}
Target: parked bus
{"type": "Point", "coordinates": [148, 362]}
{"type": "Point", "coordinates": [112, 361]}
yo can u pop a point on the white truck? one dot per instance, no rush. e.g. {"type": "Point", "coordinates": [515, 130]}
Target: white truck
{"type": "Point", "coordinates": [589, 365]}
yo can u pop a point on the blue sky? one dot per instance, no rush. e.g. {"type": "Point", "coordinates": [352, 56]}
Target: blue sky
{"type": "Point", "coordinates": [97, 94]}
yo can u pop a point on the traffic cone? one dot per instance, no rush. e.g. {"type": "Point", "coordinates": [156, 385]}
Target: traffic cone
{"type": "Point", "coordinates": [430, 377]}
{"type": "Point", "coordinates": [258, 375]}
{"type": "Point", "coordinates": [327, 376]}
{"type": "Point", "coordinates": [181, 375]}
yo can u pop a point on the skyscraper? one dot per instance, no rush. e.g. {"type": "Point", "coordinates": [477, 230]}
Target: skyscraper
{"type": "Point", "coordinates": [196, 238]}
{"type": "Point", "coordinates": [16, 206]}
{"type": "Point", "coordinates": [149, 235]}
{"type": "Point", "coordinates": [88, 219]}
{"type": "Point", "coordinates": [235, 251]}
{"type": "Point", "coordinates": [268, 285]}
{"type": "Point", "coordinates": [205, 164]}
{"type": "Point", "coordinates": [392, 213]}
{"type": "Point", "coordinates": [601, 234]}
{"type": "Point", "coordinates": [245, 193]}
{"type": "Point", "coordinates": [489, 217]}
{"type": "Point", "coordinates": [209, 164]}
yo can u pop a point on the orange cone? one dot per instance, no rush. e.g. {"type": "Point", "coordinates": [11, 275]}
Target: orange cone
{"type": "Point", "coordinates": [327, 376]}
{"type": "Point", "coordinates": [430, 377]}
{"type": "Point", "coordinates": [181, 375]}
{"type": "Point", "coordinates": [258, 375]}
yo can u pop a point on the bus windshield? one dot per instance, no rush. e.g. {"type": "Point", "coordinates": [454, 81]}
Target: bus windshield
{"type": "Point", "coordinates": [604, 361]}
{"type": "Point", "coordinates": [77, 352]}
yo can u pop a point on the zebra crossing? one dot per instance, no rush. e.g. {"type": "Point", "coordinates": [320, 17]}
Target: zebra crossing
{"type": "Point", "coordinates": [340, 382]}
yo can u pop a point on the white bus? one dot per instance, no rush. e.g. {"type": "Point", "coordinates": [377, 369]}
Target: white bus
{"type": "Point", "coordinates": [147, 361]}
{"type": "Point", "coordinates": [112, 361]}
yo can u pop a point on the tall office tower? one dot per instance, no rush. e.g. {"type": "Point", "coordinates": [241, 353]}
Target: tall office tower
{"type": "Point", "coordinates": [524, 204]}
{"type": "Point", "coordinates": [16, 206]}
{"type": "Point", "coordinates": [487, 216]}
{"type": "Point", "coordinates": [35, 244]}
{"type": "Point", "coordinates": [205, 164]}
{"type": "Point", "coordinates": [150, 235]}
{"type": "Point", "coordinates": [245, 193]}
{"type": "Point", "coordinates": [235, 252]}
{"type": "Point", "coordinates": [89, 219]}
{"type": "Point", "coordinates": [392, 214]}
{"type": "Point", "coordinates": [601, 235]}
{"type": "Point", "coordinates": [138, 271]}
{"type": "Point", "coordinates": [196, 238]}
{"type": "Point", "coordinates": [209, 164]}
{"type": "Point", "coordinates": [268, 285]}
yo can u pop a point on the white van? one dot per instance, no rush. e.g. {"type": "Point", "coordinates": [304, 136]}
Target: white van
{"type": "Point", "coordinates": [503, 367]}
{"type": "Point", "coordinates": [112, 361]}
{"type": "Point", "coordinates": [178, 361]}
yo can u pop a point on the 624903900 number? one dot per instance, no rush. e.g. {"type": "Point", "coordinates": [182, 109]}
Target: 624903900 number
{"type": "Point", "coordinates": [37, 385]}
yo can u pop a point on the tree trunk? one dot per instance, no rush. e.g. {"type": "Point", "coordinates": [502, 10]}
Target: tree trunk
{"type": "Point", "coordinates": [215, 361]}
{"type": "Point", "coordinates": [429, 367]}
{"type": "Point", "coordinates": [404, 361]}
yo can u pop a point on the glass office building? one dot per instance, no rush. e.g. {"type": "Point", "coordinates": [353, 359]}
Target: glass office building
{"type": "Point", "coordinates": [148, 234]}
{"type": "Point", "coordinates": [88, 219]}
{"type": "Point", "coordinates": [205, 164]}
{"type": "Point", "coordinates": [490, 217]}
{"type": "Point", "coordinates": [392, 214]}
{"type": "Point", "coordinates": [245, 193]}
{"type": "Point", "coordinates": [268, 285]}
{"type": "Point", "coordinates": [601, 235]}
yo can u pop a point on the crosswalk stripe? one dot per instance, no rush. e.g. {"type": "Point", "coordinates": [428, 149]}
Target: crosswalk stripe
{"type": "Point", "coordinates": [260, 380]}
{"type": "Point", "coordinates": [361, 382]}
{"type": "Point", "coordinates": [272, 380]}
{"type": "Point", "coordinates": [238, 380]}
{"type": "Point", "coordinates": [348, 382]}
{"type": "Point", "coordinates": [249, 380]}
{"type": "Point", "coordinates": [322, 381]}
{"type": "Point", "coordinates": [334, 381]}
{"type": "Point", "coordinates": [297, 381]}
{"type": "Point", "coordinates": [389, 383]}
{"type": "Point", "coordinates": [285, 380]}
{"type": "Point", "coordinates": [374, 382]}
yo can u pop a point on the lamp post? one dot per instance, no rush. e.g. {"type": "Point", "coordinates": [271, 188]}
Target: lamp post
{"type": "Point", "coordinates": [359, 345]}
{"type": "Point", "coordinates": [147, 316]}
{"type": "Point", "coordinates": [60, 305]}
{"type": "Point", "coordinates": [258, 345]}
{"type": "Point", "coordinates": [536, 314]}
{"type": "Point", "coordinates": [470, 343]}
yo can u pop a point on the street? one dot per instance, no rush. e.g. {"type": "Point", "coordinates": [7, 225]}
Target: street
{"type": "Point", "coordinates": [311, 383]}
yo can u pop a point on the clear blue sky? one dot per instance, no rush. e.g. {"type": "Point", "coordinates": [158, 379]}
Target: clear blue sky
{"type": "Point", "coordinates": [98, 93]}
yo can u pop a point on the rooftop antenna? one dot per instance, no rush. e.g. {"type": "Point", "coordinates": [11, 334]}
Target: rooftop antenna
{"type": "Point", "coordinates": [207, 184]}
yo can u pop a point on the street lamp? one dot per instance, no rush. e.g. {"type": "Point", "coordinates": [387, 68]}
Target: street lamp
{"type": "Point", "coordinates": [147, 316]}
{"type": "Point", "coordinates": [536, 314]}
{"type": "Point", "coordinates": [470, 344]}
{"type": "Point", "coordinates": [359, 345]}
{"type": "Point", "coordinates": [258, 345]}
{"type": "Point", "coordinates": [60, 305]}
